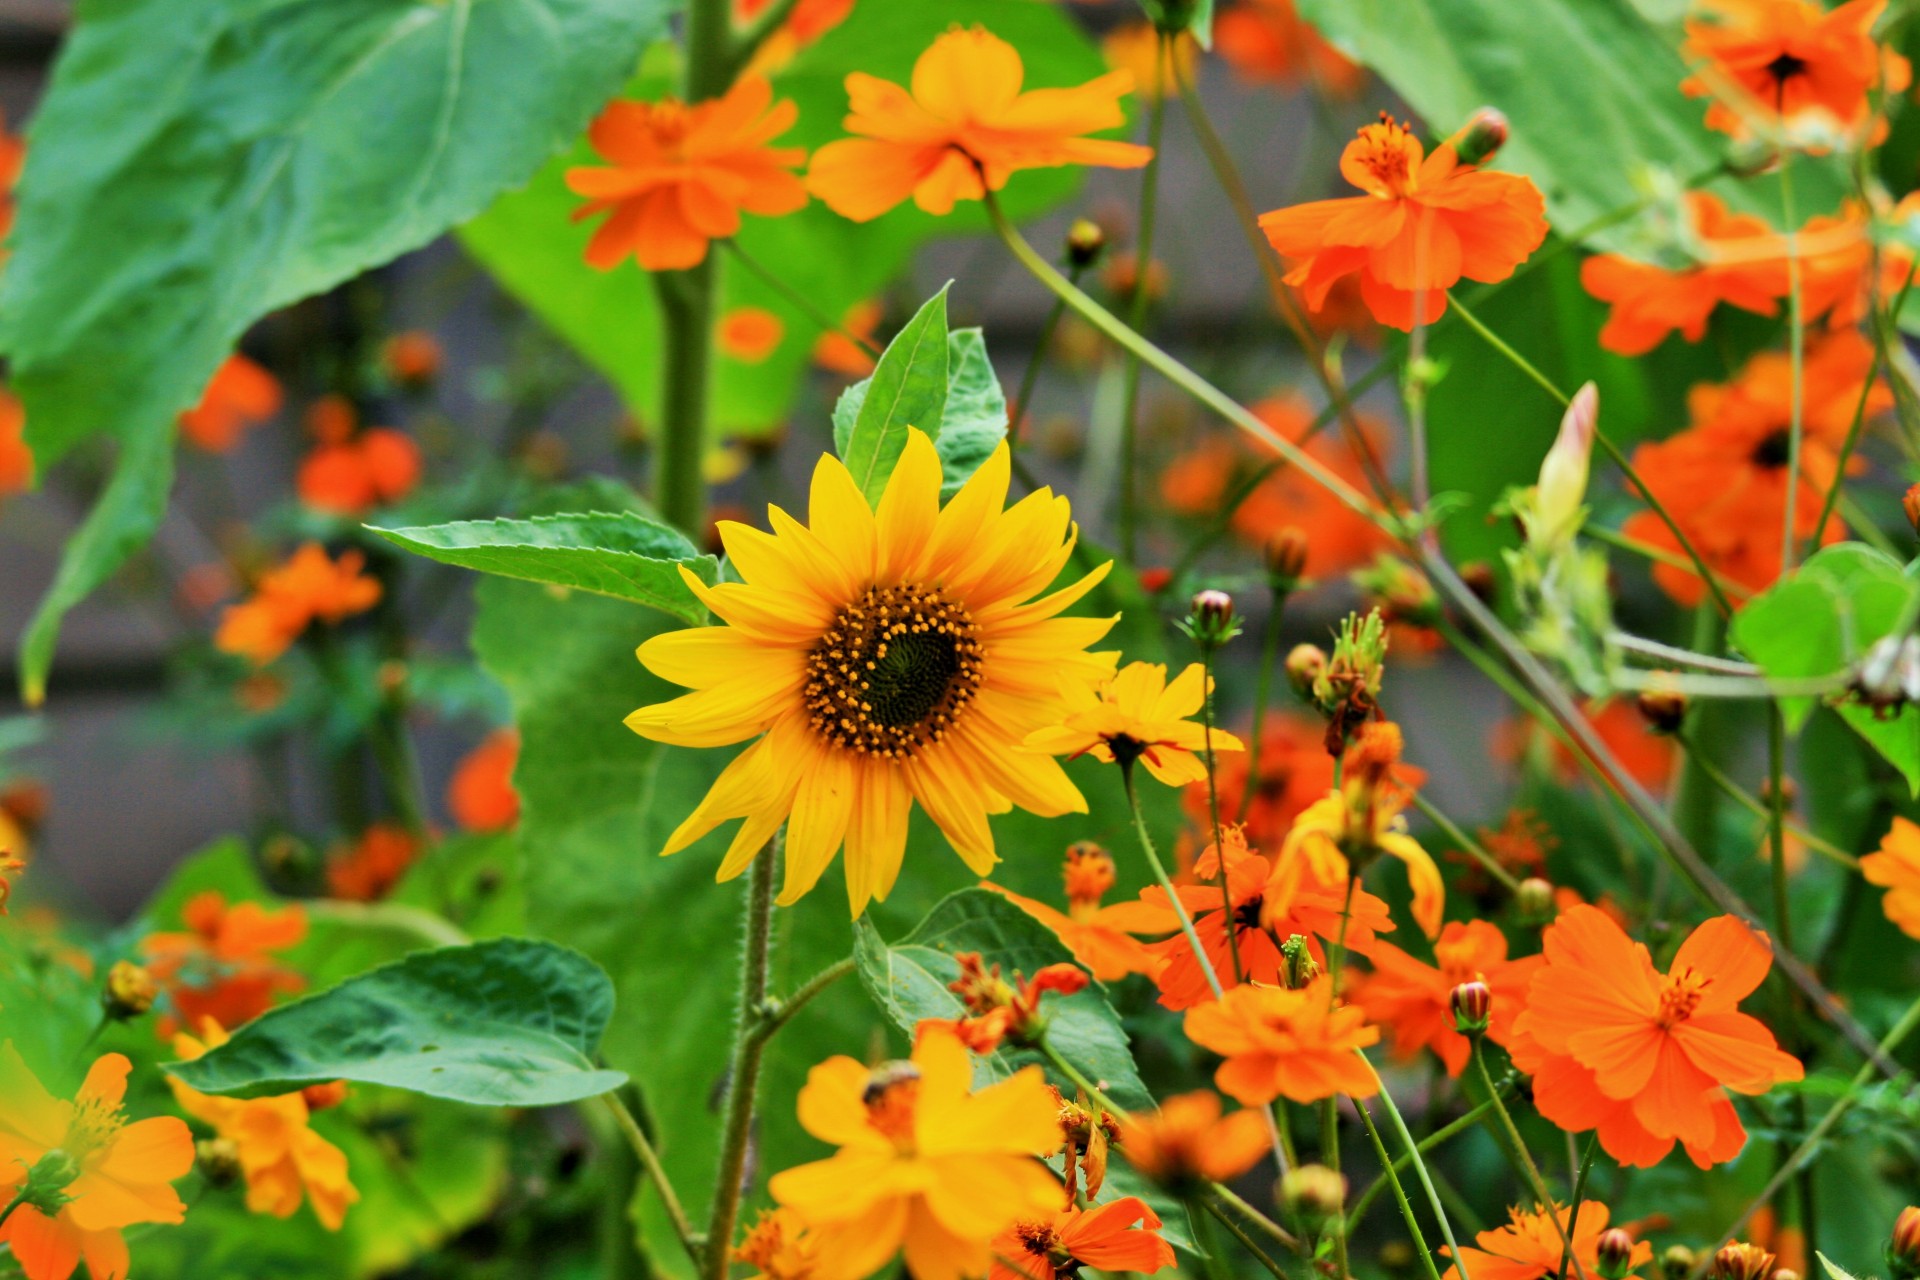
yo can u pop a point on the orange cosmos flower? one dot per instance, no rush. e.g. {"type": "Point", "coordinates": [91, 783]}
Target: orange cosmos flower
{"type": "Point", "coordinates": [1724, 478]}
{"type": "Point", "coordinates": [375, 468]}
{"type": "Point", "coordinates": [1099, 937]}
{"type": "Point", "coordinates": [1302, 1045]}
{"type": "Point", "coordinates": [1135, 49]}
{"type": "Point", "coordinates": [309, 587]}
{"type": "Point", "coordinates": [749, 334]}
{"type": "Point", "coordinates": [779, 1246]}
{"type": "Point", "coordinates": [681, 175]}
{"type": "Point", "coordinates": [283, 1159]}
{"type": "Point", "coordinates": [1138, 715]}
{"type": "Point", "coordinates": [924, 1161]}
{"type": "Point", "coordinates": [963, 129]}
{"type": "Point", "coordinates": [369, 868]}
{"type": "Point", "coordinates": [1647, 1058]}
{"type": "Point", "coordinates": [1530, 1246]}
{"type": "Point", "coordinates": [839, 351]}
{"type": "Point", "coordinates": [120, 1169]}
{"type": "Point", "coordinates": [1787, 62]}
{"type": "Point", "coordinates": [480, 795]}
{"type": "Point", "coordinates": [1895, 866]}
{"type": "Point", "coordinates": [1411, 999]}
{"type": "Point", "coordinates": [1101, 1238]}
{"type": "Point", "coordinates": [222, 966]}
{"type": "Point", "coordinates": [998, 1010]}
{"type": "Point", "coordinates": [10, 866]}
{"type": "Point", "coordinates": [1424, 223]}
{"type": "Point", "coordinates": [1188, 1140]}
{"type": "Point", "coordinates": [1266, 41]}
{"type": "Point", "coordinates": [16, 459]}
{"type": "Point", "coordinates": [241, 394]}
{"type": "Point", "coordinates": [1650, 302]}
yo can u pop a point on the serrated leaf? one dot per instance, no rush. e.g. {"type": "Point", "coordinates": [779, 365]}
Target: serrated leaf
{"type": "Point", "coordinates": [623, 555]}
{"type": "Point", "coordinates": [973, 421]}
{"type": "Point", "coordinates": [505, 1023]}
{"type": "Point", "coordinates": [908, 388]}
{"type": "Point", "coordinates": [196, 164]}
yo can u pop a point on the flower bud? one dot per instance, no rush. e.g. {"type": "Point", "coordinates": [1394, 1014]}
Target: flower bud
{"type": "Point", "coordinates": [1472, 1007]}
{"type": "Point", "coordinates": [1210, 619]}
{"type": "Point", "coordinates": [1903, 1249]}
{"type": "Point", "coordinates": [1483, 134]}
{"type": "Point", "coordinates": [1287, 558]}
{"type": "Point", "coordinates": [1534, 899]}
{"type": "Point", "coordinates": [321, 1097]}
{"type": "Point", "coordinates": [129, 992]}
{"type": "Point", "coordinates": [1305, 664]}
{"type": "Point", "coordinates": [1085, 240]}
{"type": "Point", "coordinates": [1911, 505]}
{"type": "Point", "coordinates": [1664, 710]}
{"type": "Point", "coordinates": [1741, 1262]}
{"type": "Point", "coordinates": [1312, 1196]}
{"type": "Point", "coordinates": [47, 1181]}
{"type": "Point", "coordinates": [1613, 1254]}
{"type": "Point", "coordinates": [1298, 968]}
{"type": "Point", "coordinates": [1677, 1262]}
{"type": "Point", "coordinates": [1562, 488]}
{"type": "Point", "coordinates": [219, 1161]}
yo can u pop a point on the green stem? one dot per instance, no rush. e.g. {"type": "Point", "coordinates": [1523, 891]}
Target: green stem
{"type": "Point", "coordinates": [1246, 1241]}
{"type": "Point", "coordinates": [798, 300]}
{"type": "Point", "coordinates": [1166, 883]}
{"type": "Point", "coordinates": [1516, 1149]}
{"type": "Point", "coordinates": [765, 1027]}
{"type": "Point", "coordinates": [1213, 813]}
{"type": "Point", "coordinates": [1262, 693]}
{"type": "Point", "coordinates": [1400, 1197]}
{"type": "Point", "coordinates": [1137, 307]}
{"type": "Point", "coordinates": [1267, 1226]}
{"type": "Point", "coordinates": [397, 916]}
{"type": "Point", "coordinates": [744, 1077]}
{"type": "Point", "coordinates": [1330, 1157]}
{"type": "Point", "coordinates": [1094, 1092]}
{"type": "Point", "coordinates": [1426, 1144]}
{"type": "Point", "coordinates": [686, 308]}
{"type": "Point", "coordinates": [1777, 822]}
{"type": "Point", "coordinates": [650, 1161]}
{"type": "Point", "coordinates": [1016, 421]}
{"type": "Point", "coordinates": [1748, 801]}
{"type": "Point", "coordinates": [13, 1204]}
{"type": "Point", "coordinates": [1420, 1169]}
{"type": "Point", "coordinates": [1471, 847]}
{"type": "Point", "coordinates": [1579, 1194]}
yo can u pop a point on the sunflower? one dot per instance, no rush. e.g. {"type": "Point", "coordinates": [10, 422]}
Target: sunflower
{"type": "Point", "coordinates": [878, 657]}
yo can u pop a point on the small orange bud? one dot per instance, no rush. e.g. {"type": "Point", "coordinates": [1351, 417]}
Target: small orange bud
{"type": "Point", "coordinates": [1614, 1254]}
{"type": "Point", "coordinates": [1472, 1007]}
{"type": "Point", "coordinates": [1287, 558]}
{"type": "Point", "coordinates": [1664, 710]}
{"type": "Point", "coordinates": [1741, 1262]}
{"type": "Point", "coordinates": [1903, 1249]}
{"type": "Point", "coordinates": [1483, 134]}
{"type": "Point", "coordinates": [1154, 578]}
{"type": "Point", "coordinates": [322, 1097]}
{"type": "Point", "coordinates": [130, 991]}
{"type": "Point", "coordinates": [411, 359]}
{"type": "Point", "coordinates": [1911, 505]}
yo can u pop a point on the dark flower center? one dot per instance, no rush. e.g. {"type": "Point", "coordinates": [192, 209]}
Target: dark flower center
{"type": "Point", "coordinates": [894, 670]}
{"type": "Point", "coordinates": [1786, 67]}
{"type": "Point", "coordinates": [1774, 450]}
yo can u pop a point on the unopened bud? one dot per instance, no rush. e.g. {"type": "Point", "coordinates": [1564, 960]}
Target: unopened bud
{"type": "Point", "coordinates": [1085, 240]}
{"type": "Point", "coordinates": [1741, 1262]}
{"type": "Point", "coordinates": [321, 1097]}
{"type": "Point", "coordinates": [1210, 619]}
{"type": "Point", "coordinates": [1903, 1249]}
{"type": "Point", "coordinates": [1306, 663]}
{"type": "Point", "coordinates": [1677, 1262]}
{"type": "Point", "coordinates": [1613, 1254]}
{"type": "Point", "coordinates": [47, 1181]}
{"type": "Point", "coordinates": [1312, 1196]}
{"type": "Point", "coordinates": [129, 991]}
{"type": "Point", "coordinates": [1485, 133]}
{"type": "Point", "coordinates": [1287, 558]}
{"type": "Point", "coordinates": [1472, 1006]}
{"type": "Point", "coordinates": [1562, 488]}
{"type": "Point", "coordinates": [219, 1161]}
{"type": "Point", "coordinates": [1534, 900]}
{"type": "Point", "coordinates": [1298, 968]}
{"type": "Point", "coordinates": [1664, 710]}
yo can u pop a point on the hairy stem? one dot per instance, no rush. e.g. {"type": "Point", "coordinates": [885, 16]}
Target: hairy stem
{"type": "Point", "coordinates": [744, 1076]}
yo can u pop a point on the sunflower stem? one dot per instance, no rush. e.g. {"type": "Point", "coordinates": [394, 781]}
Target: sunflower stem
{"type": "Point", "coordinates": [686, 309]}
{"type": "Point", "coordinates": [1400, 1196]}
{"type": "Point", "coordinates": [1137, 307]}
{"type": "Point", "coordinates": [1166, 882]}
{"type": "Point", "coordinates": [744, 1076]}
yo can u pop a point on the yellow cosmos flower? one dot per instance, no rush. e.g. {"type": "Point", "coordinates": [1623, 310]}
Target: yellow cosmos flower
{"type": "Point", "coordinates": [281, 1156]}
{"type": "Point", "coordinates": [1138, 715]}
{"type": "Point", "coordinates": [880, 657]}
{"type": "Point", "coordinates": [1343, 832]}
{"type": "Point", "coordinates": [924, 1162]}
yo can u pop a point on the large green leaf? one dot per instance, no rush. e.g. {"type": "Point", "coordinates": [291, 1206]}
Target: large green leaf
{"type": "Point", "coordinates": [198, 163]}
{"type": "Point", "coordinates": [966, 413]}
{"type": "Point", "coordinates": [624, 555]}
{"type": "Point", "coordinates": [531, 245]}
{"type": "Point", "coordinates": [973, 421]}
{"type": "Point", "coordinates": [507, 1022]}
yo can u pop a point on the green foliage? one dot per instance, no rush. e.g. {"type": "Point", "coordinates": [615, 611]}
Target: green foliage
{"type": "Point", "coordinates": [199, 163]}
{"type": "Point", "coordinates": [530, 245]}
{"type": "Point", "coordinates": [624, 555]}
{"type": "Point", "coordinates": [1820, 621]}
{"type": "Point", "coordinates": [508, 1022]}
{"type": "Point", "coordinates": [908, 389]}
{"type": "Point", "coordinates": [973, 421]}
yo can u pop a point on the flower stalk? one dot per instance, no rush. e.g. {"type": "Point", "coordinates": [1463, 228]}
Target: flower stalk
{"type": "Point", "coordinates": [744, 1076]}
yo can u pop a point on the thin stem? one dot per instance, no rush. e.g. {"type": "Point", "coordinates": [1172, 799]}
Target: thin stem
{"type": "Point", "coordinates": [1137, 306]}
{"type": "Point", "coordinates": [1420, 1169]}
{"type": "Point", "coordinates": [650, 1161]}
{"type": "Point", "coordinates": [1777, 822]}
{"type": "Point", "coordinates": [1748, 801]}
{"type": "Point", "coordinates": [1400, 1196]}
{"type": "Point", "coordinates": [1677, 656]}
{"type": "Point", "coordinates": [1585, 1167]}
{"type": "Point", "coordinates": [1246, 1241]}
{"type": "Point", "coordinates": [1516, 1150]}
{"type": "Point", "coordinates": [744, 1077]}
{"type": "Point", "coordinates": [799, 301]}
{"type": "Point", "coordinates": [1093, 1091]}
{"type": "Point", "coordinates": [1797, 322]}
{"type": "Point", "coordinates": [1166, 883]}
{"type": "Point", "coordinates": [1262, 693]}
{"type": "Point", "coordinates": [15, 1203]}
{"type": "Point", "coordinates": [782, 1013]}
{"type": "Point", "coordinates": [1659, 555]}
{"type": "Point", "coordinates": [397, 916]}
{"type": "Point", "coordinates": [1016, 420]}
{"type": "Point", "coordinates": [1330, 1157]}
{"type": "Point", "coordinates": [1213, 811]}
{"type": "Point", "coordinates": [1260, 1220]}
{"type": "Point", "coordinates": [1436, 1138]}
{"type": "Point", "coordinates": [1471, 847]}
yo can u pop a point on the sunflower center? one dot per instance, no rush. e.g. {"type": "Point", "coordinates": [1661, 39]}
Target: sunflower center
{"type": "Point", "coordinates": [894, 671]}
{"type": "Point", "coordinates": [1774, 451]}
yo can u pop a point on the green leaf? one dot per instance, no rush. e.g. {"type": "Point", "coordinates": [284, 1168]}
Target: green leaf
{"type": "Point", "coordinates": [908, 389]}
{"type": "Point", "coordinates": [1834, 1270]}
{"type": "Point", "coordinates": [623, 555]}
{"type": "Point", "coordinates": [196, 164]}
{"type": "Point", "coordinates": [529, 242]}
{"type": "Point", "coordinates": [505, 1023]}
{"type": "Point", "coordinates": [973, 421]}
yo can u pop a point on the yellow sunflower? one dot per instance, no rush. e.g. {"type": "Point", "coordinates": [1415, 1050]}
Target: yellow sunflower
{"type": "Point", "coordinates": [880, 657]}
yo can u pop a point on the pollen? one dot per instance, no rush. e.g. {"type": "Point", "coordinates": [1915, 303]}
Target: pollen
{"type": "Point", "coordinates": [1681, 995]}
{"type": "Point", "coordinates": [894, 672]}
{"type": "Point", "coordinates": [1387, 151]}
{"type": "Point", "coordinates": [93, 1125]}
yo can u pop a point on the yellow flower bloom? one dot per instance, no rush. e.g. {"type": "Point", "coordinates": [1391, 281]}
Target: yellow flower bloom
{"type": "Point", "coordinates": [1359, 821]}
{"type": "Point", "coordinates": [924, 1162]}
{"type": "Point", "coordinates": [280, 1155]}
{"type": "Point", "coordinates": [1138, 715]}
{"type": "Point", "coordinates": [881, 657]}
